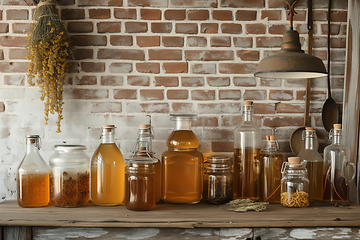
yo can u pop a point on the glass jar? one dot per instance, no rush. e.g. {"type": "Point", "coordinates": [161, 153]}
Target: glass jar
{"type": "Point", "coordinates": [314, 163]}
{"type": "Point", "coordinates": [33, 176]}
{"type": "Point", "coordinates": [107, 171]}
{"type": "Point", "coordinates": [338, 170]}
{"type": "Point", "coordinates": [140, 183]}
{"type": "Point", "coordinates": [182, 163]}
{"type": "Point", "coordinates": [217, 180]}
{"type": "Point", "coordinates": [69, 176]}
{"type": "Point", "coordinates": [270, 171]}
{"type": "Point", "coordinates": [294, 184]}
{"type": "Point", "coordinates": [247, 142]}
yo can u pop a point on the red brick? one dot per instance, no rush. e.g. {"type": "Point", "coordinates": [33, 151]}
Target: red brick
{"type": "Point", "coordinates": [281, 95]}
{"type": "Point", "coordinates": [15, 80]}
{"type": "Point", "coordinates": [218, 81]}
{"type": "Point", "coordinates": [244, 81]}
{"type": "Point", "coordinates": [88, 40]}
{"type": "Point", "coordinates": [229, 94]}
{"type": "Point", "coordinates": [175, 67]}
{"type": "Point", "coordinates": [301, 16]}
{"type": "Point", "coordinates": [1, 54]}
{"type": "Point", "coordinates": [180, 107]}
{"type": "Point", "coordinates": [111, 81]}
{"type": "Point", "coordinates": [196, 41]}
{"type": "Point", "coordinates": [334, 29]}
{"type": "Point", "coordinates": [192, 81]}
{"type": "Point", "coordinates": [175, 14]}
{"type": "Point", "coordinates": [188, 28]}
{"type": "Point", "coordinates": [161, 54]}
{"type": "Point", "coordinates": [338, 42]}
{"type": "Point", "coordinates": [283, 121]}
{"type": "Point", "coordinates": [256, 28]}
{"type": "Point", "coordinates": [203, 68]}
{"type": "Point", "coordinates": [166, 81]}
{"type": "Point", "coordinates": [224, 15]}
{"type": "Point", "coordinates": [268, 41]}
{"type": "Point", "coordinates": [243, 3]}
{"type": "Point", "coordinates": [237, 68]}
{"type": "Point", "coordinates": [120, 67]}
{"type": "Point", "coordinates": [173, 41]}
{"type": "Point", "coordinates": [320, 42]}
{"type": "Point", "coordinates": [18, 54]}
{"type": "Point", "coordinates": [231, 28]}
{"type": "Point", "coordinates": [138, 81]}
{"type": "Point", "coordinates": [254, 94]}
{"type": "Point", "coordinates": [125, 93]}
{"type": "Point", "coordinates": [290, 107]}
{"type": "Point", "coordinates": [248, 55]}
{"type": "Point", "coordinates": [150, 14]}
{"type": "Point", "coordinates": [121, 54]}
{"type": "Point", "coordinates": [72, 14]}
{"type": "Point", "coordinates": [117, 3]}
{"type": "Point", "coordinates": [209, 55]}
{"type": "Point", "coordinates": [148, 67]}
{"type": "Point", "coordinates": [109, 27]}
{"type": "Point", "coordinates": [162, 27]}
{"type": "Point", "coordinates": [220, 41]}
{"type": "Point", "coordinates": [151, 94]}
{"type": "Point", "coordinates": [231, 120]}
{"type": "Point", "coordinates": [86, 80]}
{"type": "Point", "coordinates": [338, 16]}
{"type": "Point", "coordinates": [10, 41]}
{"type": "Point", "coordinates": [278, 28]}
{"type": "Point", "coordinates": [19, 28]}
{"type": "Point", "coordinates": [80, 27]}
{"type": "Point", "coordinates": [198, 15]}
{"type": "Point", "coordinates": [99, 13]}
{"type": "Point", "coordinates": [86, 93]}
{"type": "Point", "coordinates": [148, 3]}
{"type": "Point", "coordinates": [264, 108]}
{"type": "Point", "coordinates": [203, 95]}
{"type": "Point", "coordinates": [148, 41]}
{"type": "Point", "coordinates": [125, 13]}
{"type": "Point", "coordinates": [243, 42]}
{"type": "Point", "coordinates": [246, 15]}
{"type": "Point", "coordinates": [13, 14]}
{"type": "Point", "coordinates": [177, 94]}
{"type": "Point", "coordinates": [320, 15]}
{"type": "Point", "coordinates": [136, 27]}
{"type": "Point", "coordinates": [271, 14]}
{"type": "Point", "coordinates": [93, 67]}
{"type": "Point", "coordinates": [270, 82]}
{"type": "Point", "coordinates": [209, 28]}
{"type": "Point", "coordinates": [314, 95]}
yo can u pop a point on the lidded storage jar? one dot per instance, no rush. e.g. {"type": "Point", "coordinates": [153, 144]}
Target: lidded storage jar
{"type": "Point", "coordinates": [217, 180]}
{"type": "Point", "coordinates": [69, 176]}
{"type": "Point", "coordinates": [294, 184]}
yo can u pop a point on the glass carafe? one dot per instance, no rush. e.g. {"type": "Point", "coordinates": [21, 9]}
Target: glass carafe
{"type": "Point", "coordinates": [107, 171]}
{"type": "Point", "coordinates": [247, 147]}
{"type": "Point", "coordinates": [338, 170]}
{"type": "Point", "coordinates": [182, 163]}
{"type": "Point", "coordinates": [314, 163]}
{"type": "Point", "coordinates": [270, 171]}
{"type": "Point", "coordinates": [33, 188]}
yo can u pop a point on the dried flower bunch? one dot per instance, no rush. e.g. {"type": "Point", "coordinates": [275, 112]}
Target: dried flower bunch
{"type": "Point", "coordinates": [50, 52]}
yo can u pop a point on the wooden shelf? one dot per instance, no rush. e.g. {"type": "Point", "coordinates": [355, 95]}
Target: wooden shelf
{"type": "Point", "coordinates": [179, 216]}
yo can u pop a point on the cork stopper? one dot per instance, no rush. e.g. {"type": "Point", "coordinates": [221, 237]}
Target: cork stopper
{"type": "Point", "coordinates": [268, 138]}
{"type": "Point", "coordinates": [309, 128]}
{"type": "Point", "coordinates": [248, 103]}
{"type": "Point", "coordinates": [107, 128]}
{"type": "Point", "coordinates": [144, 126]}
{"type": "Point", "coordinates": [337, 126]}
{"type": "Point", "coordinates": [272, 137]}
{"type": "Point", "coordinates": [294, 160]}
{"type": "Point", "coordinates": [142, 148]}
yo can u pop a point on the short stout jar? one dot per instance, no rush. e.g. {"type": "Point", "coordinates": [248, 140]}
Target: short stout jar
{"type": "Point", "coordinates": [140, 183]}
{"type": "Point", "coordinates": [218, 180]}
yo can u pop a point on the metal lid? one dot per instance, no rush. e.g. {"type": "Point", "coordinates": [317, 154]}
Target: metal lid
{"type": "Point", "coordinates": [217, 158]}
{"type": "Point", "coordinates": [69, 148]}
{"type": "Point", "coordinates": [141, 160]}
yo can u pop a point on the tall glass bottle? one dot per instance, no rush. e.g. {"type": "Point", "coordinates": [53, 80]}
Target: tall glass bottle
{"type": "Point", "coordinates": [107, 171]}
{"type": "Point", "coordinates": [33, 189]}
{"type": "Point", "coordinates": [143, 149]}
{"type": "Point", "coordinates": [338, 170]}
{"type": "Point", "coordinates": [314, 163]}
{"type": "Point", "coordinates": [182, 163]}
{"type": "Point", "coordinates": [247, 141]}
{"type": "Point", "coordinates": [270, 171]}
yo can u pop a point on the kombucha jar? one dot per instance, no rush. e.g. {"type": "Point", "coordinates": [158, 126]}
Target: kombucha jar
{"type": "Point", "coordinates": [33, 176]}
{"type": "Point", "coordinates": [107, 171]}
{"type": "Point", "coordinates": [294, 184]}
{"type": "Point", "coordinates": [247, 147]}
{"type": "Point", "coordinates": [314, 163]}
{"type": "Point", "coordinates": [140, 183]}
{"type": "Point", "coordinates": [143, 148]}
{"type": "Point", "coordinates": [338, 170]}
{"type": "Point", "coordinates": [182, 163]}
{"type": "Point", "coordinates": [217, 180]}
{"type": "Point", "coordinates": [69, 176]}
{"type": "Point", "coordinates": [270, 171]}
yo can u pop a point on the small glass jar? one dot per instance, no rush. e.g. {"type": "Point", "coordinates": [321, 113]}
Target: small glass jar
{"type": "Point", "coordinates": [218, 180]}
{"type": "Point", "coordinates": [140, 183]}
{"type": "Point", "coordinates": [294, 184]}
{"type": "Point", "coordinates": [69, 176]}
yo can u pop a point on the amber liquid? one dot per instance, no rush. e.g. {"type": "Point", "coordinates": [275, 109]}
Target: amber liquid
{"type": "Point", "coordinates": [270, 177]}
{"type": "Point", "coordinates": [336, 190]}
{"type": "Point", "coordinates": [33, 190]}
{"type": "Point", "coordinates": [315, 175]}
{"type": "Point", "coordinates": [246, 174]}
{"type": "Point", "coordinates": [107, 176]}
{"type": "Point", "coordinates": [140, 191]}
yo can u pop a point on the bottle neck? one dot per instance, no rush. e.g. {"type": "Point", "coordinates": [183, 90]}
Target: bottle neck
{"type": "Point", "coordinates": [310, 143]}
{"type": "Point", "coordinates": [31, 147]}
{"type": "Point", "coordinates": [182, 124]}
{"type": "Point", "coordinates": [248, 114]}
{"type": "Point", "coordinates": [271, 145]}
{"type": "Point", "coordinates": [337, 139]}
{"type": "Point", "coordinates": [107, 137]}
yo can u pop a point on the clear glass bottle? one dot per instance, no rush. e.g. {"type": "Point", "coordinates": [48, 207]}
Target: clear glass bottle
{"type": "Point", "coordinates": [107, 171]}
{"type": "Point", "coordinates": [218, 180]}
{"type": "Point", "coordinates": [143, 148]}
{"type": "Point", "coordinates": [338, 170]}
{"type": "Point", "coordinates": [294, 184]}
{"type": "Point", "coordinates": [182, 163]}
{"type": "Point", "coordinates": [140, 183]}
{"type": "Point", "coordinates": [270, 171]}
{"type": "Point", "coordinates": [314, 163]}
{"type": "Point", "coordinates": [247, 147]}
{"type": "Point", "coordinates": [69, 176]}
{"type": "Point", "coordinates": [33, 176]}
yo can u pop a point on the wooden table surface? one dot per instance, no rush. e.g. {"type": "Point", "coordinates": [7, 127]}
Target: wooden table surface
{"type": "Point", "coordinates": [179, 216]}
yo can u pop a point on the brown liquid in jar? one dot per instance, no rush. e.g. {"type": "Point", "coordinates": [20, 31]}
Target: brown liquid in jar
{"type": "Point", "coordinates": [34, 190]}
{"type": "Point", "coordinates": [315, 175]}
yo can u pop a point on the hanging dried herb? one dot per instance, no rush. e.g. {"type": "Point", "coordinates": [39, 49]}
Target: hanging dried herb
{"type": "Point", "coordinates": [50, 52]}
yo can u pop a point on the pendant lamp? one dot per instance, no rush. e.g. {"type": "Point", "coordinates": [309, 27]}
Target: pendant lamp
{"type": "Point", "coordinates": [291, 61]}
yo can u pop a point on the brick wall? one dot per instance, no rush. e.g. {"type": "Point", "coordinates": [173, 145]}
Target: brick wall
{"type": "Point", "coordinates": [138, 57]}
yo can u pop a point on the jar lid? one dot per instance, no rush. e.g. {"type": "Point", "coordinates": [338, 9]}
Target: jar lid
{"type": "Point", "coordinates": [32, 136]}
{"type": "Point", "coordinates": [217, 158]}
{"type": "Point", "coordinates": [141, 160]}
{"type": "Point", "coordinates": [69, 148]}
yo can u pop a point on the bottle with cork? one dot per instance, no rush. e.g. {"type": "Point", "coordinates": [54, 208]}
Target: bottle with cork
{"type": "Point", "coordinates": [270, 171]}
{"type": "Point", "coordinates": [314, 163]}
{"type": "Point", "coordinates": [247, 147]}
{"type": "Point", "coordinates": [107, 171]}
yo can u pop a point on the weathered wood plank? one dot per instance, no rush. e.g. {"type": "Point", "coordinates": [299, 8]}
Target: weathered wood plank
{"type": "Point", "coordinates": [17, 233]}
{"type": "Point", "coordinates": [1, 233]}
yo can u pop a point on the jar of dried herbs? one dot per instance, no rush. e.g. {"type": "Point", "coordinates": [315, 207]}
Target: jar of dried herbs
{"type": "Point", "coordinates": [69, 176]}
{"type": "Point", "coordinates": [218, 180]}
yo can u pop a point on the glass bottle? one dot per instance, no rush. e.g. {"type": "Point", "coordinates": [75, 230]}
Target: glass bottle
{"type": "Point", "coordinates": [314, 163]}
{"type": "Point", "coordinates": [270, 171]}
{"type": "Point", "coordinates": [33, 176]}
{"type": "Point", "coordinates": [294, 184]}
{"type": "Point", "coordinates": [338, 170]}
{"type": "Point", "coordinates": [107, 171]}
{"type": "Point", "coordinates": [218, 180]}
{"type": "Point", "coordinates": [140, 183]}
{"type": "Point", "coordinates": [143, 149]}
{"type": "Point", "coordinates": [182, 163]}
{"type": "Point", "coordinates": [247, 142]}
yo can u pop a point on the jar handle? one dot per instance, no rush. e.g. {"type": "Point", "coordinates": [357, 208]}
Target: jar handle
{"type": "Point", "coordinates": [349, 164]}
{"type": "Point", "coordinates": [39, 143]}
{"type": "Point", "coordinates": [283, 167]}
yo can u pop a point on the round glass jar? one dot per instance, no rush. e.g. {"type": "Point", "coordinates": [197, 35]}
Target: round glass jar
{"type": "Point", "coordinates": [69, 176]}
